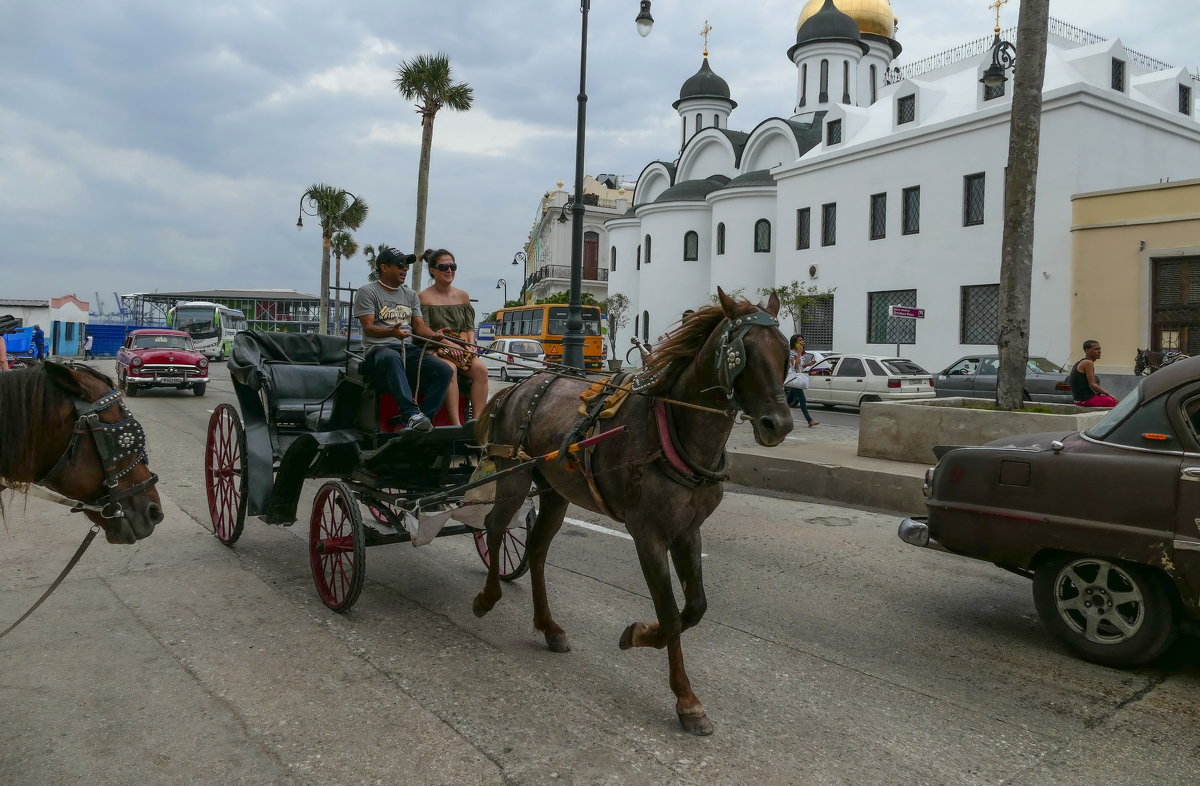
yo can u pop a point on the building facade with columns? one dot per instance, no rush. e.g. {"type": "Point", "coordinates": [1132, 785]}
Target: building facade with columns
{"type": "Point", "coordinates": [885, 184]}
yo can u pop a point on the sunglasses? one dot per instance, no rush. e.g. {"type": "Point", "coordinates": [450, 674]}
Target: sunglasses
{"type": "Point", "coordinates": [444, 267]}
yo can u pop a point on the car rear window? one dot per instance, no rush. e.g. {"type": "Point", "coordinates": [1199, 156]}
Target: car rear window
{"type": "Point", "coordinates": [1044, 366]}
{"type": "Point", "coordinates": [525, 348]}
{"type": "Point", "coordinates": [901, 367]}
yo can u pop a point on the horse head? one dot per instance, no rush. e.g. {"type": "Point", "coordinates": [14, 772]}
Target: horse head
{"type": "Point", "coordinates": [120, 487]}
{"type": "Point", "coordinates": [752, 365]}
{"type": "Point", "coordinates": [1141, 362]}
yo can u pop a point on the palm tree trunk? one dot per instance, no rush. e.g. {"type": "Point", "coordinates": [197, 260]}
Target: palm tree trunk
{"type": "Point", "coordinates": [1016, 261]}
{"type": "Point", "coordinates": [422, 195]}
{"type": "Point", "coordinates": [337, 295]}
{"type": "Point", "coordinates": [323, 317]}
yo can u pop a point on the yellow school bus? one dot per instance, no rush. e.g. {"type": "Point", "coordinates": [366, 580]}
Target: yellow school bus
{"type": "Point", "coordinates": [547, 323]}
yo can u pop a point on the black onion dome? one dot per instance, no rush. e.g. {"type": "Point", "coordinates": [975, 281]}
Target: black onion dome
{"type": "Point", "coordinates": [705, 84]}
{"type": "Point", "coordinates": [828, 24]}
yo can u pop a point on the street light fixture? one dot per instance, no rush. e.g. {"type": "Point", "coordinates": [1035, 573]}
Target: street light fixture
{"type": "Point", "coordinates": [502, 284]}
{"type": "Point", "coordinates": [573, 337]}
{"type": "Point", "coordinates": [1004, 54]}
{"type": "Point", "coordinates": [520, 258]}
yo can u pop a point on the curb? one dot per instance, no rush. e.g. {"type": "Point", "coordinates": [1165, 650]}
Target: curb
{"type": "Point", "coordinates": [889, 491]}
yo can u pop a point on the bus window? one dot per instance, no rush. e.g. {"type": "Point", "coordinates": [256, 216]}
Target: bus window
{"type": "Point", "coordinates": [558, 321]}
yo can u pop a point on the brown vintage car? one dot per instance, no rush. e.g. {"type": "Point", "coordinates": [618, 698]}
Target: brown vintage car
{"type": "Point", "coordinates": [1105, 521]}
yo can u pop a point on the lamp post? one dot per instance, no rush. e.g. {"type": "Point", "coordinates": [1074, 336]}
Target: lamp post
{"type": "Point", "coordinates": [1004, 54]}
{"type": "Point", "coordinates": [573, 338]}
{"type": "Point", "coordinates": [502, 284]}
{"type": "Point", "coordinates": [520, 258]}
{"type": "Point", "coordinates": [320, 206]}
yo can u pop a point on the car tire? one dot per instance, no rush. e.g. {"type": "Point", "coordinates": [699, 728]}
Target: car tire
{"type": "Point", "coordinates": [199, 388]}
{"type": "Point", "coordinates": [131, 389]}
{"type": "Point", "coordinates": [504, 377]}
{"type": "Point", "coordinates": [1135, 624]}
{"type": "Point", "coordinates": [868, 400]}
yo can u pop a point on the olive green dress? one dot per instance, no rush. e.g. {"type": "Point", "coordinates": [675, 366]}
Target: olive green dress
{"type": "Point", "coordinates": [458, 319]}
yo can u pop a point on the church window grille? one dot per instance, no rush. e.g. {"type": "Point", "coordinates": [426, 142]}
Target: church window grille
{"type": "Point", "coordinates": [973, 199]}
{"type": "Point", "coordinates": [910, 204]}
{"type": "Point", "coordinates": [979, 314]}
{"type": "Point", "coordinates": [883, 328]}
{"type": "Point", "coordinates": [878, 216]}
{"type": "Point", "coordinates": [906, 109]}
{"type": "Point", "coordinates": [1185, 100]}
{"type": "Point", "coordinates": [647, 249]}
{"type": "Point", "coordinates": [720, 238]}
{"type": "Point", "coordinates": [762, 235]}
{"type": "Point", "coordinates": [803, 227]}
{"type": "Point", "coordinates": [833, 132]}
{"type": "Point", "coordinates": [824, 96]}
{"type": "Point", "coordinates": [829, 224]}
{"type": "Point", "coordinates": [1118, 75]}
{"type": "Point", "coordinates": [816, 323]}
{"type": "Point", "coordinates": [845, 81]}
{"type": "Point", "coordinates": [691, 247]}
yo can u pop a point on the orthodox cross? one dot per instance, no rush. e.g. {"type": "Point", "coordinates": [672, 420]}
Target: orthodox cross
{"type": "Point", "coordinates": [997, 6]}
{"type": "Point", "coordinates": [704, 31]}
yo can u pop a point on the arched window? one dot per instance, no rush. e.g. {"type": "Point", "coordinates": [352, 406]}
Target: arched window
{"type": "Point", "coordinates": [645, 326]}
{"type": "Point", "coordinates": [721, 238]}
{"type": "Point", "coordinates": [682, 132]}
{"type": "Point", "coordinates": [691, 246]}
{"type": "Point", "coordinates": [639, 258]}
{"type": "Point", "coordinates": [804, 84]}
{"type": "Point", "coordinates": [699, 121]}
{"type": "Point", "coordinates": [612, 258]}
{"type": "Point", "coordinates": [845, 81]}
{"type": "Point", "coordinates": [874, 82]}
{"type": "Point", "coordinates": [647, 249]}
{"type": "Point", "coordinates": [637, 319]}
{"type": "Point", "coordinates": [762, 235]}
{"type": "Point", "coordinates": [824, 96]}
{"type": "Point", "coordinates": [591, 256]}
{"type": "Point", "coordinates": [716, 121]}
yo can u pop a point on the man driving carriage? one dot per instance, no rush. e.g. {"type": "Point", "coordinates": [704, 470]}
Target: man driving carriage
{"type": "Point", "coordinates": [390, 313]}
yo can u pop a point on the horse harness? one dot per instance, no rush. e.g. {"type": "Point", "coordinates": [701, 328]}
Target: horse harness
{"type": "Point", "coordinates": [115, 442]}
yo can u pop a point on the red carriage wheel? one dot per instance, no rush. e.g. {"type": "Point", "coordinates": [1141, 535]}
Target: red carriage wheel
{"type": "Point", "coordinates": [337, 550]}
{"type": "Point", "coordinates": [225, 473]}
{"type": "Point", "coordinates": [513, 561]}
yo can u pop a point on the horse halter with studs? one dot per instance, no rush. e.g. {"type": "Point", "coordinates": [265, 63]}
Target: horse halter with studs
{"type": "Point", "coordinates": [115, 442]}
{"type": "Point", "coordinates": [731, 347]}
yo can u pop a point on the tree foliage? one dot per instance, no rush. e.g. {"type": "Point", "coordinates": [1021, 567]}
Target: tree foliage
{"type": "Point", "coordinates": [616, 306]}
{"type": "Point", "coordinates": [337, 210]}
{"type": "Point", "coordinates": [797, 300]}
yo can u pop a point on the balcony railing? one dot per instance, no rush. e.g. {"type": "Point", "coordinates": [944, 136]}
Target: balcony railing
{"type": "Point", "coordinates": [564, 272]}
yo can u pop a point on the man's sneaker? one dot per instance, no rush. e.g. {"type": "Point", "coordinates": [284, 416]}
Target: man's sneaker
{"type": "Point", "coordinates": [418, 422]}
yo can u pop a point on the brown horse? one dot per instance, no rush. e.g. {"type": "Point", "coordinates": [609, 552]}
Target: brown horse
{"type": "Point", "coordinates": [661, 478]}
{"type": "Point", "coordinates": [1148, 361]}
{"type": "Point", "coordinates": [67, 429]}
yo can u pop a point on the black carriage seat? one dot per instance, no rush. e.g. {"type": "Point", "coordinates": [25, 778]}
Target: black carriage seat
{"type": "Point", "coordinates": [297, 391]}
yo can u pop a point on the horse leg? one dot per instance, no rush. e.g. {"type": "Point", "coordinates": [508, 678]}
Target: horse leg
{"type": "Point", "coordinates": [685, 553]}
{"type": "Point", "coordinates": [510, 494]}
{"type": "Point", "coordinates": [665, 633]}
{"type": "Point", "coordinates": [552, 509]}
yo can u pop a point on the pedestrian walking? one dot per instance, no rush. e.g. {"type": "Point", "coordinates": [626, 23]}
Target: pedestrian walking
{"type": "Point", "coordinates": [797, 377]}
{"type": "Point", "coordinates": [39, 343]}
{"type": "Point", "coordinates": [87, 347]}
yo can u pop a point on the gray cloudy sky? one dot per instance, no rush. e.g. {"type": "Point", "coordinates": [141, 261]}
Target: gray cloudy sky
{"type": "Point", "coordinates": [161, 144]}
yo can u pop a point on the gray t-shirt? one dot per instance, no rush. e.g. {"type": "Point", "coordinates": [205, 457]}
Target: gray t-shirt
{"type": "Point", "coordinates": [390, 309]}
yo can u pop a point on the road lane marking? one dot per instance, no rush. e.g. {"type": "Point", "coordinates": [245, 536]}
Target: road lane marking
{"type": "Point", "coordinates": [598, 528]}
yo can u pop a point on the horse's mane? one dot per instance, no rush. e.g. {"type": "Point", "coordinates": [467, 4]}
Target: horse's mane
{"type": "Point", "coordinates": [683, 342]}
{"type": "Point", "coordinates": [28, 398]}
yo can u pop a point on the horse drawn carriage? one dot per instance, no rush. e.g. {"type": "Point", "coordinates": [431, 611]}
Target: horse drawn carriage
{"type": "Point", "coordinates": [306, 412]}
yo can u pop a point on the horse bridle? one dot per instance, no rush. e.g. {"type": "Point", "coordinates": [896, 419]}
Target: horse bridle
{"type": "Point", "coordinates": [115, 442]}
{"type": "Point", "coordinates": [731, 348]}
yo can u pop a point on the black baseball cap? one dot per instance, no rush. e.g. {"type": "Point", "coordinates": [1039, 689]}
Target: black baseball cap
{"type": "Point", "coordinates": [390, 256]}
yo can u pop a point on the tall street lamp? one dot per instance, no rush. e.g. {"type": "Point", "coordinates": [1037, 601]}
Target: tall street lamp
{"type": "Point", "coordinates": [520, 258]}
{"type": "Point", "coordinates": [502, 284]}
{"type": "Point", "coordinates": [1004, 55]}
{"type": "Point", "coordinates": [573, 338]}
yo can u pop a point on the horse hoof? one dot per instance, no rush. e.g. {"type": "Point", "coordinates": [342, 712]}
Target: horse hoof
{"type": "Point", "coordinates": [557, 642]}
{"type": "Point", "coordinates": [699, 725]}
{"type": "Point", "coordinates": [627, 637]}
{"type": "Point", "coordinates": [478, 608]}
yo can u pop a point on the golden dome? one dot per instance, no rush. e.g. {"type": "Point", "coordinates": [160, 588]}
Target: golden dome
{"type": "Point", "coordinates": [872, 16]}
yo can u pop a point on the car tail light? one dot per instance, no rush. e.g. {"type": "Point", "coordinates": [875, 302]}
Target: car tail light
{"type": "Point", "coordinates": [893, 383]}
{"type": "Point", "coordinates": [1062, 386]}
{"type": "Point", "coordinates": [932, 383]}
{"type": "Point", "coordinates": [137, 361]}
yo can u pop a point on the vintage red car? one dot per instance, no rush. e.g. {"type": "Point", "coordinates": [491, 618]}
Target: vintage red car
{"type": "Point", "coordinates": [1106, 522]}
{"type": "Point", "coordinates": [163, 358]}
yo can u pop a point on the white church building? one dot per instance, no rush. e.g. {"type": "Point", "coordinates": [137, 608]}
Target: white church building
{"type": "Point", "coordinates": [885, 185]}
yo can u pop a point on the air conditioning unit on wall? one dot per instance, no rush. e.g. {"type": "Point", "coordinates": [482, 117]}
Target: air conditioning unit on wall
{"type": "Point", "coordinates": [812, 271]}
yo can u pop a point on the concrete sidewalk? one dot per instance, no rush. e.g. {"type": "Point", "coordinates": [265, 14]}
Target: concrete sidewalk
{"type": "Point", "coordinates": [822, 462]}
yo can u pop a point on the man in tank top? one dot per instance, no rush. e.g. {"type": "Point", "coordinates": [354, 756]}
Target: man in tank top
{"type": "Point", "coordinates": [1084, 388]}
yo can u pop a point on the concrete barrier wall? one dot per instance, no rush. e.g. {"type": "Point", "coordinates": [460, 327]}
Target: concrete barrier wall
{"type": "Point", "coordinates": [908, 431]}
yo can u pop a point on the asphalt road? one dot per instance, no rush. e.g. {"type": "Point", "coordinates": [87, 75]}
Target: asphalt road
{"type": "Point", "coordinates": [831, 653]}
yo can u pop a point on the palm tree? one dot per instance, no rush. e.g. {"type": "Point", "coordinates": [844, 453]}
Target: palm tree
{"type": "Point", "coordinates": [343, 245]}
{"type": "Point", "coordinates": [426, 79]}
{"type": "Point", "coordinates": [370, 252]}
{"type": "Point", "coordinates": [338, 210]}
